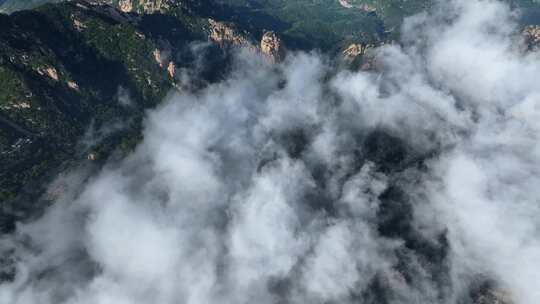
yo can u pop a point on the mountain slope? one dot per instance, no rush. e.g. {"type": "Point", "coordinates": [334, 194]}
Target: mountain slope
{"type": "Point", "coordinates": [337, 175]}
{"type": "Point", "coordinates": [62, 67]}
{"type": "Point", "coordinates": [78, 76]}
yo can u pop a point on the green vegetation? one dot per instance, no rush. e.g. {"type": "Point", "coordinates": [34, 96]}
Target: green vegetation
{"type": "Point", "coordinates": [12, 87]}
{"type": "Point", "coordinates": [60, 70]}
{"type": "Point", "coordinates": [61, 67]}
{"type": "Point", "coordinates": [305, 24]}
{"type": "Point", "coordinates": [393, 11]}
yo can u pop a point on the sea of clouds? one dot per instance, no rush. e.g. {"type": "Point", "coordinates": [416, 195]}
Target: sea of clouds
{"type": "Point", "coordinates": [417, 182]}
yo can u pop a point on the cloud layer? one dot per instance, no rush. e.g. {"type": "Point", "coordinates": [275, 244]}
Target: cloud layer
{"type": "Point", "coordinates": [297, 183]}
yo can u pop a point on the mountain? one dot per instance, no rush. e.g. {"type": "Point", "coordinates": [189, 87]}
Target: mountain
{"type": "Point", "coordinates": [66, 67]}
{"type": "Point", "coordinates": [78, 79]}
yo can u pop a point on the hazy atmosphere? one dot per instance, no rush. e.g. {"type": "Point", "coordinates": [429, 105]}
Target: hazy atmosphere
{"type": "Point", "coordinates": [411, 177]}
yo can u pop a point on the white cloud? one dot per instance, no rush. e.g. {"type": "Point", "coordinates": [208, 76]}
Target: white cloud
{"type": "Point", "coordinates": [261, 188]}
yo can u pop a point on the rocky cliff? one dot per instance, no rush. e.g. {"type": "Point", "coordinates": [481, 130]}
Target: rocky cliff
{"type": "Point", "coordinates": [226, 34]}
{"type": "Point", "coordinates": [370, 8]}
{"type": "Point", "coordinates": [272, 46]}
{"type": "Point", "coordinates": [142, 6]}
{"type": "Point", "coordinates": [531, 37]}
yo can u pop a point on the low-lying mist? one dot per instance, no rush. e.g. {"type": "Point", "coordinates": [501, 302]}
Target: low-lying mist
{"type": "Point", "coordinates": [416, 182]}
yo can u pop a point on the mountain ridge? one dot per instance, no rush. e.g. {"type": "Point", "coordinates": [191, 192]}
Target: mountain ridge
{"type": "Point", "coordinates": [65, 67]}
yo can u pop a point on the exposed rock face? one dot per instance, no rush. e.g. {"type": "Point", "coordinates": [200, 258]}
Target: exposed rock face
{"type": "Point", "coordinates": [18, 105]}
{"type": "Point", "coordinates": [171, 68]}
{"type": "Point", "coordinates": [92, 156]}
{"type": "Point", "coordinates": [78, 25]}
{"type": "Point", "coordinates": [272, 47]}
{"type": "Point", "coordinates": [50, 72]}
{"type": "Point", "coordinates": [73, 85]}
{"type": "Point", "coordinates": [140, 6]}
{"type": "Point", "coordinates": [346, 4]}
{"type": "Point", "coordinates": [153, 6]}
{"type": "Point", "coordinates": [531, 37]}
{"type": "Point", "coordinates": [163, 58]}
{"type": "Point", "coordinates": [225, 34]}
{"type": "Point", "coordinates": [354, 50]}
{"type": "Point", "coordinates": [360, 51]}
{"type": "Point", "coordinates": [365, 7]}
{"type": "Point", "coordinates": [125, 6]}
{"type": "Point", "coordinates": [140, 35]}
